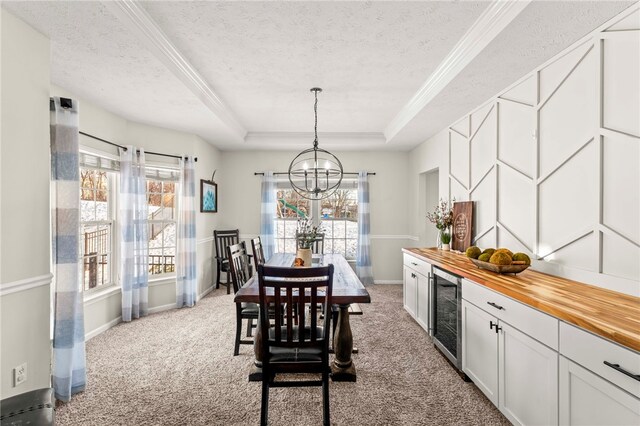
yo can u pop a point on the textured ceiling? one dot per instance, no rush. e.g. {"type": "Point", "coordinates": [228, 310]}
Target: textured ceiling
{"type": "Point", "coordinates": [261, 58]}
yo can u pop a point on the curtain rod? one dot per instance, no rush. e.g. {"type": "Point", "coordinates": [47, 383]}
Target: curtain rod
{"type": "Point", "coordinates": [125, 148]}
{"type": "Point", "coordinates": [286, 173]}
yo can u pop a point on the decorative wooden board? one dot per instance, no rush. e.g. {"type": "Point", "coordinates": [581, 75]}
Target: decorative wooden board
{"type": "Point", "coordinates": [609, 314]}
{"type": "Point", "coordinates": [500, 269]}
{"type": "Point", "coordinates": [462, 225]}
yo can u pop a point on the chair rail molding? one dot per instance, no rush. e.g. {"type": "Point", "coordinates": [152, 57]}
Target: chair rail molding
{"type": "Point", "coordinates": [25, 284]}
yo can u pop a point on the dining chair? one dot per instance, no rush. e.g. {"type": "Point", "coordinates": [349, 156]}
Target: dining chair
{"type": "Point", "coordinates": [294, 349]}
{"type": "Point", "coordinates": [317, 247]}
{"type": "Point", "coordinates": [224, 238]}
{"type": "Point", "coordinates": [240, 271]}
{"type": "Point", "coordinates": [258, 253]}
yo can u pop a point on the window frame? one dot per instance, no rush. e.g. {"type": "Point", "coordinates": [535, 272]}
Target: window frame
{"type": "Point", "coordinates": [163, 275]}
{"type": "Point", "coordinates": [317, 220]}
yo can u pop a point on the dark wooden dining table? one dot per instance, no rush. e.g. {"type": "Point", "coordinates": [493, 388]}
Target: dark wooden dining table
{"type": "Point", "coordinates": [347, 289]}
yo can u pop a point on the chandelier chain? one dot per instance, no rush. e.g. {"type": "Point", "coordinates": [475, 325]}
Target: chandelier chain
{"type": "Point", "coordinates": [315, 127]}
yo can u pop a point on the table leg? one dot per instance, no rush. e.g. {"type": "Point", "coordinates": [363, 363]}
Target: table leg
{"type": "Point", "coordinates": [342, 368]}
{"type": "Point", "coordinates": [256, 371]}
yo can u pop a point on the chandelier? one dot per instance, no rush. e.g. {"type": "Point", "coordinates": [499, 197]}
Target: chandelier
{"type": "Point", "coordinates": [315, 173]}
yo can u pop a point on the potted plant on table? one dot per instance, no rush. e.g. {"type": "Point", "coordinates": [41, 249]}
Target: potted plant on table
{"type": "Point", "coordinates": [442, 217]}
{"type": "Point", "coordinates": [306, 235]}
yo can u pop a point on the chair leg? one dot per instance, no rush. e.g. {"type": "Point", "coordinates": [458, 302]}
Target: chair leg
{"type": "Point", "coordinates": [228, 282]}
{"type": "Point", "coordinates": [218, 275]}
{"type": "Point", "coordinates": [325, 398]}
{"type": "Point", "coordinates": [264, 408]}
{"type": "Point", "coordinates": [236, 349]}
{"type": "Point", "coordinates": [249, 327]}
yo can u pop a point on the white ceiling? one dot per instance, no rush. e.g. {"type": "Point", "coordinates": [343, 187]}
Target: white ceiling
{"type": "Point", "coordinates": [238, 73]}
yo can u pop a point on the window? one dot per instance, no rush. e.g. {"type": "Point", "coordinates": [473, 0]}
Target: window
{"type": "Point", "coordinates": [337, 216]}
{"type": "Point", "coordinates": [96, 227]}
{"type": "Point", "coordinates": [162, 226]}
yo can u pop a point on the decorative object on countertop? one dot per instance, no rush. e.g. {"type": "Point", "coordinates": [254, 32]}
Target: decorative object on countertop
{"type": "Point", "coordinates": [442, 217]}
{"type": "Point", "coordinates": [445, 237]}
{"type": "Point", "coordinates": [502, 260]}
{"type": "Point", "coordinates": [306, 236]}
{"type": "Point", "coordinates": [462, 225]}
{"type": "Point", "coordinates": [315, 173]}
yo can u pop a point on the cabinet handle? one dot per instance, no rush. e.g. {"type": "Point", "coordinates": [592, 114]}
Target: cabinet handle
{"type": "Point", "coordinates": [498, 328]}
{"type": "Point", "coordinates": [495, 306]}
{"type": "Point", "coordinates": [622, 370]}
{"type": "Point", "coordinates": [414, 264]}
{"type": "Point", "coordinates": [413, 275]}
{"type": "Point", "coordinates": [492, 324]}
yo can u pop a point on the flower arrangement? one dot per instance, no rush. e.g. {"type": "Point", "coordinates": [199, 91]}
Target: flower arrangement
{"type": "Point", "coordinates": [442, 217]}
{"type": "Point", "coordinates": [307, 233]}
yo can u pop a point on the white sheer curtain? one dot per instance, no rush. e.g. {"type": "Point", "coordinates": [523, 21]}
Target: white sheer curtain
{"type": "Point", "coordinates": [186, 237]}
{"type": "Point", "coordinates": [363, 256]}
{"type": "Point", "coordinates": [134, 245]}
{"type": "Point", "coordinates": [267, 213]}
{"type": "Point", "coordinates": [69, 371]}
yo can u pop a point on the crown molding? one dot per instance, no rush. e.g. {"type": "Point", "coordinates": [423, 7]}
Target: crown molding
{"type": "Point", "coordinates": [493, 20]}
{"type": "Point", "coordinates": [135, 17]}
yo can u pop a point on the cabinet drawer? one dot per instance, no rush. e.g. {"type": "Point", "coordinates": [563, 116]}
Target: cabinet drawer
{"type": "Point", "coordinates": [592, 351]}
{"type": "Point", "coordinates": [536, 324]}
{"type": "Point", "coordinates": [418, 265]}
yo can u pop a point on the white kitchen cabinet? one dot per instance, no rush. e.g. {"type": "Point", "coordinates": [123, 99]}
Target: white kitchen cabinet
{"type": "Point", "coordinates": [528, 378]}
{"type": "Point", "coordinates": [410, 282]}
{"type": "Point", "coordinates": [588, 399]}
{"type": "Point", "coordinates": [515, 371]}
{"type": "Point", "coordinates": [480, 349]}
{"type": "Point", "coordinates": [417, 290]}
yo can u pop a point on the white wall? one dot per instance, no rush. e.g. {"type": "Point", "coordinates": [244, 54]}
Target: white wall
{"type": "Point", "coordinates": [553, 161]}
{"type": "Point", "coordinates": [24, 212]}
{"type": "Point", "coordinates": [239, 204]}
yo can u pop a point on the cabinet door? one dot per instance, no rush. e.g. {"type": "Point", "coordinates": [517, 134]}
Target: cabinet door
{"type": "Point", "coordinates": [423, 301]}
{"type": "Point", "coordinates": [480, 349]}
{"type": "Point", "coordinates": [588, 399]}
{"type": "Point", "coordinates": [410, 291]}
{"type": "Point", "coordinates": [528, 372]}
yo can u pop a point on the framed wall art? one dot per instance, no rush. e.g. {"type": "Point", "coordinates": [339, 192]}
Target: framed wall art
{"type": "Point", "coordinates": [208, 196]}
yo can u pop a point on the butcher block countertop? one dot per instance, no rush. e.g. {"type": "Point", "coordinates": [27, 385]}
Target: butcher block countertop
{"type": "Point", "coordinates": [612, 315]}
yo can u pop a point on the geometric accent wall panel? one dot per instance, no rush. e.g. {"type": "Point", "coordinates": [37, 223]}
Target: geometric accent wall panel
{"type": "Point", "coordinates": [516, 143]}
{"type": "Point", "coordinates": [621, 80]}
{"type": "Point", "coordinates": [620, 258]}
{"type": "Point", "coordinates": [479, 116]}
{"type": "Point", "coordinates": [483, 147]}
{"type": "Point", "coordinates": [516, 208]}
{"type": "Point", "coordinates": [582, 254]}
{"type": "Point", "coordinates": [457, 191]}
{"type": "Point", "coordinates": [568, 201]}
{"type": "Point", "coordinates": [459, 158]}
{"type": "Point", "coordinates": [462, 126]}
{"type": "Point", "coordinates": [631, 22]}
{"type": "Point", "coordinates": [484, 208]}
{"type": "Point", "coordinates": [552, 74]}
{"type": "Point", "coordinates": [568, 120]}
{"type": "Point", "coordinates": [621, 186]}
{"type": "Point", "coordinates": [488, 240]}
{"type": "Point", "coordinates": [524, 92]}
{"type": "Point", "coordinates": [505, 239]}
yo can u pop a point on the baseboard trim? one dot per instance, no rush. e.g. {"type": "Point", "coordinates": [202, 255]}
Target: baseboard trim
{"type": "Point", "coordinates": [387, 281]}
{"type": "Point", "coordinates": [204, 293]}
{"type": "Point", "coordinates": [102, 328]}
{"type": "Point", "coordinates": [162, 308]}
{"type": "Point", "coordinates": [25, 284]}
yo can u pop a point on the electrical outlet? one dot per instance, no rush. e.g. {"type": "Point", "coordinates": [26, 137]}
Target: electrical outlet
{"type": "Point", "coordinates": [20, 374]}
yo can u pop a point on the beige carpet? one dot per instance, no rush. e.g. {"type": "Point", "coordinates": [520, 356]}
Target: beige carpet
{"type": "Point", "coordinates": [177, 368]}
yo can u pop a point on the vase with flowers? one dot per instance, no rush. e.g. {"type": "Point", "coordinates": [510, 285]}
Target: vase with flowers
{"type": "Point", "coordinates": [306, 235]}
{"type": "Point", "coordinates": [442, 217]}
